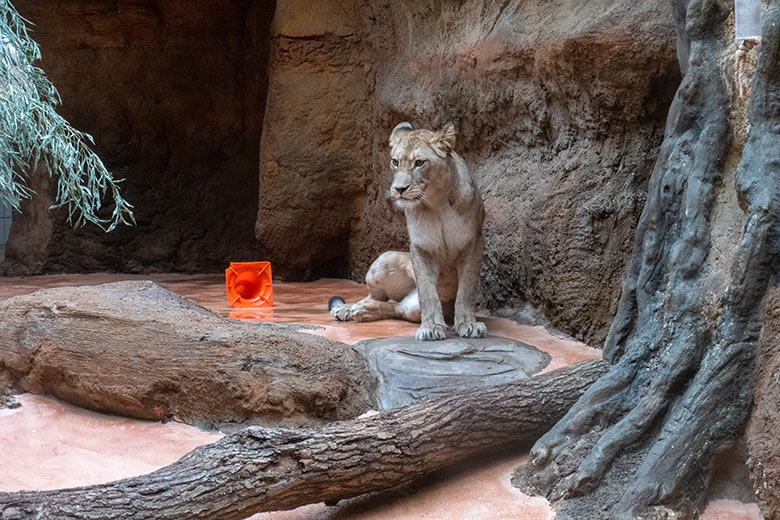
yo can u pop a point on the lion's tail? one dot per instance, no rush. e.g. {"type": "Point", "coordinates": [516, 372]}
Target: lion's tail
{"type": "Point", "coordinates": [335, 301]}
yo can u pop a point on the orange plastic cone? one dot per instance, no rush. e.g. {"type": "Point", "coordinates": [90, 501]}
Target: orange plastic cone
{"type": "Point", "coordinates": [249, 284]}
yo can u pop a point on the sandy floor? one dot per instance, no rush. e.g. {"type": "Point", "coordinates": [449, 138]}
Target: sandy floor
{"type": "Point", "coordinates": [57, 445]}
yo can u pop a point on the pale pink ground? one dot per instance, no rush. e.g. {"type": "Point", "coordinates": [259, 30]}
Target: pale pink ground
{"type": "Point", "coordinates": [48, 444]}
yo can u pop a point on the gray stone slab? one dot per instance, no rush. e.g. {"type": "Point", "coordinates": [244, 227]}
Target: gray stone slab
{"type": "Point", "coordinates": [405, 370]}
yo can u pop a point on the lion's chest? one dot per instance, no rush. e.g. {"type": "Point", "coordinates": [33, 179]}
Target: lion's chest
{"type": "Point", "coordinates": [444, 234]}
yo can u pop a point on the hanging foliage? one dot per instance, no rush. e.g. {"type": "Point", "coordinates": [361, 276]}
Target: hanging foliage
{"type": "Point", "coordinates": [32, 131]}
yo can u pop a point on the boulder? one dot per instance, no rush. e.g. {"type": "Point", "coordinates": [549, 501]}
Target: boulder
{"type": "Point", "coordinates": [405, 370]}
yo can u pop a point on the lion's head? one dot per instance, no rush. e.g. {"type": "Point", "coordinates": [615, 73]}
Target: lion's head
{"type": "Point", "coordinates": [423, 172]}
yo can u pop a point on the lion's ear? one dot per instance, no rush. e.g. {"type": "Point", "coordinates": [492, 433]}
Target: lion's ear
{"type": "Point", "coordinates": [400, 128]}
{"type": "Point", "coordinates": [444, 139]}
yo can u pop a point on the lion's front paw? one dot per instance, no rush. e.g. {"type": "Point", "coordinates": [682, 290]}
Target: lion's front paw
{"type": "Point", "coordinates": [432, 332]}
{"type": "Point", "coordinates": [471, 329]}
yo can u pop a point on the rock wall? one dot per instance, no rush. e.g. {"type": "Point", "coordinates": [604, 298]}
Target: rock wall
{"type": "Point", "coordinates": [174, 94]}
{"type": "Point", "coordinates": [559, 106]}
{"type": "Point", "coordinates": [761, 435]}
{"type": "Point", "coordinates": [315, 159]}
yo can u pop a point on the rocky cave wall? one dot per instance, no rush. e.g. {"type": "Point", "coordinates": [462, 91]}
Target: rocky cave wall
{"type": "Point", "coordinates": [560, 109]}
{"type": "Point", "coordinates": [174, 94]}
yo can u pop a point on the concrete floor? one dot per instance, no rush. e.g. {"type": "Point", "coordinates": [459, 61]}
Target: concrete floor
{"type": "Point", "coordinates": [57, 445]}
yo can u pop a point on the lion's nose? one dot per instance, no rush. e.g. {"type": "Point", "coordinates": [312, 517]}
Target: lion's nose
{"type": "Point", "coordinates": [400, 189]}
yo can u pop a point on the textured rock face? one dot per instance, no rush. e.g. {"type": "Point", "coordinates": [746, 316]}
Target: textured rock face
{"type": "Point", "coordinates": [761, 434]}
{"type": "Point", "coordinates": [559, 106]}
{"type": "Point", "coordinates": [174, 94]}
{"type": "Point", "coordinates": [405, 370]}
{"type": "Point", "coordinates": [316, 158]}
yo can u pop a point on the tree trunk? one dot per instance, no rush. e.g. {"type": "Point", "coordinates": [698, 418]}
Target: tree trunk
{"type": "Point", "coordinates": [640, 442]}
{"type": "Point", "coordinates": [135, 349]}
{"type": "Point", "coordinates": [259, 469]}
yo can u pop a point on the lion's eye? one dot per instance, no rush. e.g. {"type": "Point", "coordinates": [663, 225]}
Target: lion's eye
{"type": "Point", "coordinates": [394, 162]}
{"type": "Point", "coordinates": [419, 162]}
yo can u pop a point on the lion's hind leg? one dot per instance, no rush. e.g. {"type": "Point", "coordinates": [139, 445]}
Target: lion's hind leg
{"type": "Point", "coordinates": [367, 309]}
{"type": "Point", "coordinates": [370, 309]}
{"type": "Point", "coordinates": [409, 308]}
{"type": "Point", "coordinates": [340, 309]}
{"type": "Point", "coordinates": [390, 277]}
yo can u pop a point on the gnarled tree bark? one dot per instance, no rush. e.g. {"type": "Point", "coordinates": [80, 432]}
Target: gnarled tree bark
{"type": "Point", "coordinates": [641, 440]}
{"type": "Point", "coordinates": [259, 469]}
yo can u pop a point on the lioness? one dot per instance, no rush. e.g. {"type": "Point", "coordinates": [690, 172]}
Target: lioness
{"type": "Point", "coordinates": [439, 278]}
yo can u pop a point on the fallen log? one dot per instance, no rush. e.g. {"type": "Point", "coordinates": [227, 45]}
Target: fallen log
{"type": "Point", "coordinates": [138, 350]}
{"type": "Point", "coordinates": [258, 469]}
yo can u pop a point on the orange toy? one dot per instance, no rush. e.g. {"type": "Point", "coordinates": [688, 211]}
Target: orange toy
{"type": "Point", "coordinates": [249, 284]}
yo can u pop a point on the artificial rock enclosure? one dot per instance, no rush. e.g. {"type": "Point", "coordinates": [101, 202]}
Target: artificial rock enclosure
{"type": "Point", "coordinates": [253, 129]}
{"type": "Point", "coordinates": [249, 130]}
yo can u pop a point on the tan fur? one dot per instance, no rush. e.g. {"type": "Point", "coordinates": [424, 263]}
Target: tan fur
{"type": "Point", "coordinates": [444, 214]}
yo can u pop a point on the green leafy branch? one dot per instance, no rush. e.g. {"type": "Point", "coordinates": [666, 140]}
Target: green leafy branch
{"type": "Point", "coordinates": [31, 130]}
